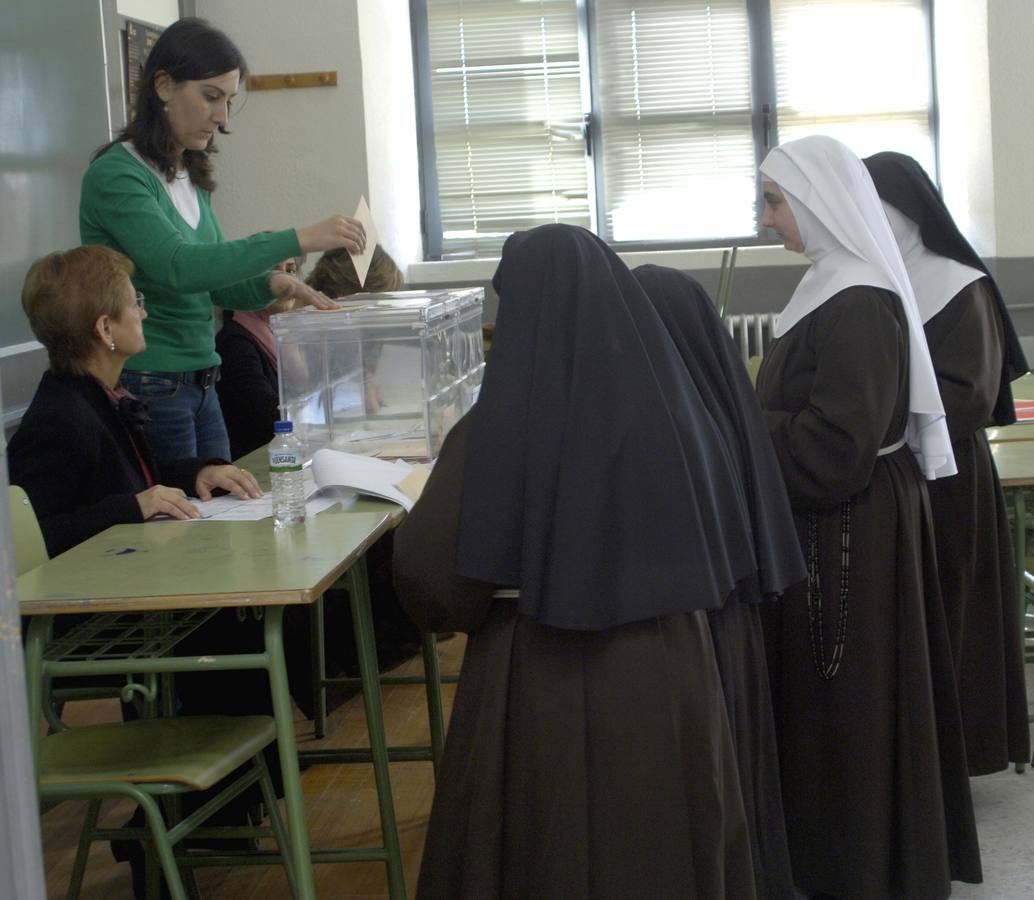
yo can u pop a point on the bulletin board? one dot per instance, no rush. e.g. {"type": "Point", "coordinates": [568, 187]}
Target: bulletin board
{"type": "Point", "coordinates": [139, 38]}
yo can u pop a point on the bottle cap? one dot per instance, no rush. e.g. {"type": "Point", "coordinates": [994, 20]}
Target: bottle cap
{"type": "Point", "coordinates": [283, 427]}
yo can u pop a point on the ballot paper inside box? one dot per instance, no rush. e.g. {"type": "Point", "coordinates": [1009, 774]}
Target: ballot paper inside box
{"type": "Point", "coordinates": [385, 375]}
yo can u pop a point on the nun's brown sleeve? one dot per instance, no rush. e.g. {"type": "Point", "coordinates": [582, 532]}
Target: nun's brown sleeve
{"type": "Point", "coordinates": [433, 595]}
{"type": "Point", "coordinates": [859, 352]}
{"type": "Point", "coordinates": [966, 340]}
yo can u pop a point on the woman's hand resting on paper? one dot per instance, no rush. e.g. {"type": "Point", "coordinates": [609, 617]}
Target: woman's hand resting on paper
{"type": "Point", "coordinates": [239, 482]}
{"type": "Point", "coordinates": [162, 500]}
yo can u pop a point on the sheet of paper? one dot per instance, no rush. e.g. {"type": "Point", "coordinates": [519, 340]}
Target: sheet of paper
{"type": "Point", "coordinates": [232, 509]}
{"type": "Point", "coordinates": [362, 474]}
{"type": "Point", "coordinates": [362, 260]}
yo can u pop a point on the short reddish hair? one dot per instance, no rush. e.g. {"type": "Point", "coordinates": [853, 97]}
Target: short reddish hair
{"type": "Point", "coordinates": [65, 293]}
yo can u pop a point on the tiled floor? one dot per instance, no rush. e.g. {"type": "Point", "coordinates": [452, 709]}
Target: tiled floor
{"type": "Point", "coordinates": [1004, 805]}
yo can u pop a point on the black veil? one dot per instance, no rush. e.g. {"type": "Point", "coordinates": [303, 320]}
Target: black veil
{"type": "Point", "coordinates": [715, 365]}
{"type": "Point", "coordinates": [902, 183]}
{"type": "Point", "coordinates": [596, 480]}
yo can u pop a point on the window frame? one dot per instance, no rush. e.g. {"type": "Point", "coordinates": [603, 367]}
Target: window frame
{"type": "Point", "coordinates": [764, 125]}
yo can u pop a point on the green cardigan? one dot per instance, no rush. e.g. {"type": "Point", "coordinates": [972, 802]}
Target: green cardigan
{"type": "Point", "coordinates": [182, 271]}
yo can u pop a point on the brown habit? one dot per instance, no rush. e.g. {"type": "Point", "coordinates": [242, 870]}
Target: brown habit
{"type": "Point", "coordinates": [974, 548]}
{"type": "Point", "coordinates": [579, 764]}
{"type": "Point", "coordinates": [874, 775]}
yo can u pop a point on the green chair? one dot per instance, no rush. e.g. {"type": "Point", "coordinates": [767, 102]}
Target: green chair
{"type": "Point", "coordinates": [753, 367]}
{"type": "Point", "coordinates": [148, 761]}
{"type": "Point", "coordinates": [153, 760]}
{"type": "Point", "coordinates": [29, 548]}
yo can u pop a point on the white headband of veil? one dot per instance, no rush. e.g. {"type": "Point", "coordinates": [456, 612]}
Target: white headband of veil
{"type": "Point", "coordinates": [935, 279]}
{"type": "Point", "coordinates": [849, 242]}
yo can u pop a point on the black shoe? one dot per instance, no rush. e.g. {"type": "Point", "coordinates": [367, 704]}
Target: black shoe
{"type": "Point", "coordinates": [126, 850]}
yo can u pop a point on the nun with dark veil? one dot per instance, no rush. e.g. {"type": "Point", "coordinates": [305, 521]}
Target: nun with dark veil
{"type": "Point", "coordinates": [976, 354]}
{"type": "Point", "coordinates": [875, 783]}
{"type": "Point", "coordinates": [577, 524]}
{"type": "Point", "coordinates": [717, 369]}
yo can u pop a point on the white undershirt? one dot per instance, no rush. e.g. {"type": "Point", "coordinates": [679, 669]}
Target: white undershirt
{"type": "Point", "coordinates": [182, 191]}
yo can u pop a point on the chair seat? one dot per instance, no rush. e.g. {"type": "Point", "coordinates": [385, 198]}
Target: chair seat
{"type": "Point", "coordinates": [193, 751]}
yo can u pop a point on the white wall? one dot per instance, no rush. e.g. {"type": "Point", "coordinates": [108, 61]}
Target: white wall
{"type": "Point", "coordinates": [390, 114]}
{"type": "Point", "coordinates": [297, 155]}
{"type": "Point", "coordinates": [154, 12]}
{"type": "Point", "coordinates": [963, 83]}
{"type": "Point", "coordinates": [1010, 32]}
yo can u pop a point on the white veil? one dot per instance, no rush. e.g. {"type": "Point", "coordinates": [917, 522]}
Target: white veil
{"type": "Point", "coordinates": [849, 242]}
{"type": "Point", "coordinates": [935, 279]}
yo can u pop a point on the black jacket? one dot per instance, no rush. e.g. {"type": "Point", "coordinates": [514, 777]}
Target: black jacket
{"type": "Point", "coordinates": [74, 457]}
{"type": "Point", "coordinates": [249, 392]}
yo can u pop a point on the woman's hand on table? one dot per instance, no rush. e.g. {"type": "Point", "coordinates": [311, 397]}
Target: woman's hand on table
{"type": "Point", "coordinates": [239, 482]}
{"type": "Point", "coordinates": [162, 500]}
{"type": "Point", "coordinates": [337, 231]}
{"type": "Point", "coordinates": [287, 287]}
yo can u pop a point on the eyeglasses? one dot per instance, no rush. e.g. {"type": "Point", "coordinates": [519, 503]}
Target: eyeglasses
{"type": "Point", "coordinates": [139, 300]}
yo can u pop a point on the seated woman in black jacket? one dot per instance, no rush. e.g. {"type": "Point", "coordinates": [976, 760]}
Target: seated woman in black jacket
{"type": "Point", "coordinates": [80, 452]}
{"type": "Point", "coordinates": [82, 458]}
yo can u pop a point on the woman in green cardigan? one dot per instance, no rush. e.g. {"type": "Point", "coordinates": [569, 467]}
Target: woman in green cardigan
{"type": "Point", "coordinates": [148, 195]}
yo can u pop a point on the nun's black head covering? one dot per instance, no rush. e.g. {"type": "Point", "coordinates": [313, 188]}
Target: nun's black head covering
{"type": "Point", "coordinates": [595, 479]}
{"type": "Point", "coordinates": [902, 183]}
{"type": "Point", "coordinates": [715, 365]}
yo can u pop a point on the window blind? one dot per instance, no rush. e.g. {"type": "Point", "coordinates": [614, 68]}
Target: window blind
{"type": "Point", "coordinates": [857, 70]}
{"type": "Point", "coordinates": [506, 98]}
{"type": "Point", "coordinates": [674, 113]}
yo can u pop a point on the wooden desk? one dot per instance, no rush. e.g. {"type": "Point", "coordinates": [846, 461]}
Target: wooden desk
{"type": "Point", "coordinates": [1015, 463]}
{"type": "Point", "coordinates": [1023, 387]}
{"type": "Point", "coordinates": [1021, 431]}
{"type": "Point", "coordinates": [176, 566]}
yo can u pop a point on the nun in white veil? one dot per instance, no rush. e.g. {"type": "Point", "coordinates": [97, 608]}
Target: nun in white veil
{"type": "Point", "coordinates": [874, 769]}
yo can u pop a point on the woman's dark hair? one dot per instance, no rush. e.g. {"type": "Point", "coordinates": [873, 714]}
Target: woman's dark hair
{"type": "Point", "coordinates": [188, 50]}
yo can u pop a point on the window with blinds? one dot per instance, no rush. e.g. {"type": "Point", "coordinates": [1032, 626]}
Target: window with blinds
{"type": "Point", "coordinates": [645, 120]}
{"type": "Point", "coordinates": [674, 112]}
{"type": "Point", "coordinates": [857, 70]}
{"type": "Point", "coordinates": [507, 105]}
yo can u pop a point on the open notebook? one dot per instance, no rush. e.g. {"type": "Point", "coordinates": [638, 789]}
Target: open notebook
{"type": "Point", "coordinates": [397, 481]}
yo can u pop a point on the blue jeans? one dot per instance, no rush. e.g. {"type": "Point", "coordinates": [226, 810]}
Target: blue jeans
{"type": "Point", "coordinates": [185, 419]}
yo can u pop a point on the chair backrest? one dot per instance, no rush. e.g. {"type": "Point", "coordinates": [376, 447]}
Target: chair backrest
{"type": "Point", "coordinates": [29, 547]}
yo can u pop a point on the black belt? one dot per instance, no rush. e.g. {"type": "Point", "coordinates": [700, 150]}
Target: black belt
{"type": "Point", "coordinates": [203, 378]}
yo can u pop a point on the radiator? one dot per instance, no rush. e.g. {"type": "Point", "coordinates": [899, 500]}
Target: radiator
{"type": "Point", "coordinates": [752, 333]}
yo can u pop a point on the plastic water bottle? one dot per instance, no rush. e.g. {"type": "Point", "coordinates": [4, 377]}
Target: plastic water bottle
{"type": "Point", "coordinates": [285, 475]}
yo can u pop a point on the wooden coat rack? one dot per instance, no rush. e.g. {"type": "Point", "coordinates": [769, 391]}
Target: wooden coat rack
{"type": "Point", "coordinates": [291, 80]}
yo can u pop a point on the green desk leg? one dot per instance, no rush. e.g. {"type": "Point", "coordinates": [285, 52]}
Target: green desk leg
{"type": "Point", "coordinates": [318, 668]}
{"type": "Point", "coordinates": [433, 688]}
{"type": "Point", "coordinates": [298, 833]}
{"type": "Point", "coordinates": [35, 641]}
{"type": "Point", "coordinates": [1020, 509]}
{"type": "Point", "coordinates": [366, 649]}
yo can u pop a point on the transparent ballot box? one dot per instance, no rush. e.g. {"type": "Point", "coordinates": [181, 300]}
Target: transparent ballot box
{"type": "Point", "coordinates": [385, 374]}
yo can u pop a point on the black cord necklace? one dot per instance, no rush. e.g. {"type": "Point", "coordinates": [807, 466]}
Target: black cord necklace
{"type": "Point", "coordinates": [828, 671]}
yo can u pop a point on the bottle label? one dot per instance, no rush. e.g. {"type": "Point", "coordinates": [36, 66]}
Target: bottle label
{"type": "Point", "coordinates": [285, 462]}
